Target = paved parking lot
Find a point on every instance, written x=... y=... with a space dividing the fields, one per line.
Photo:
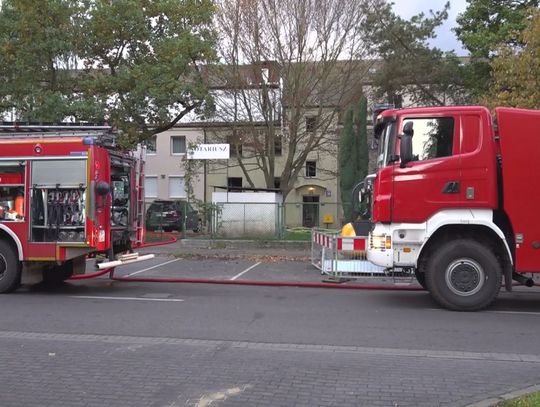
x=237 y=269
x=110 y=343
x=253 y=266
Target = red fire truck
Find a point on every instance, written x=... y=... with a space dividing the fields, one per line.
x=456 y=199
x=65 y=192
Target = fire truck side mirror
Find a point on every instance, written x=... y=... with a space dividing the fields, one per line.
x=405 y=146
x=102 y=188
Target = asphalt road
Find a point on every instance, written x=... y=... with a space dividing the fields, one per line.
x=105 y=343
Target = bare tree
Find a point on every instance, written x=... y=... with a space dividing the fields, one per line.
x=289 y=67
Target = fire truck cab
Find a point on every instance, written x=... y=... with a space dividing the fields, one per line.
x=455 y=199
x=66 y=192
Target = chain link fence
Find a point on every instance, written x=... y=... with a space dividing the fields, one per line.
x=243 y=220
x=172 y=216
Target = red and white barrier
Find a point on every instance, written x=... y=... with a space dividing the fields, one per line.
x=340 y=256
x=351 y=244
x=322 y=239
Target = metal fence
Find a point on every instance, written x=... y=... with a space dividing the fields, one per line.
x=246 y=220
x=341 y=257
x=169 y=216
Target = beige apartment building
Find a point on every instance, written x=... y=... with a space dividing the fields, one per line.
x=312 y=202
x=314 y=199
x=165 y=173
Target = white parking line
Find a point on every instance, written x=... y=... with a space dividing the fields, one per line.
x=514 y=312
x=496 y=312
x=91 y=297
x=245 y=271
x=153 y=267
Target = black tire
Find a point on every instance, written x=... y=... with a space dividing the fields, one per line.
x=463 y=275
x=421 y=278
x=10 y=268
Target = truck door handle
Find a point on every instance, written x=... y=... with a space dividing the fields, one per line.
x=451 y=187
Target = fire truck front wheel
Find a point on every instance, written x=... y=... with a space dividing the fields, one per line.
x=421 y=278
x=463 y=275
x=10 y=268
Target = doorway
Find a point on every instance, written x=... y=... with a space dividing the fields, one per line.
x=310 y=211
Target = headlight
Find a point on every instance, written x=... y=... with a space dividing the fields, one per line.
x=380 y=242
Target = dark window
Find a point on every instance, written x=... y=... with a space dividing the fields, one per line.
x=432 y=138
x=163 y=207
x=151 y=145
x=311 y=123
x=277 y=182
x=234 y=182
x=311 y=168
x=178 y=144
x=277 y=146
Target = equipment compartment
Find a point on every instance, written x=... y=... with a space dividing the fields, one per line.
x=58 y=201
x=58 y=214
x=12 y=206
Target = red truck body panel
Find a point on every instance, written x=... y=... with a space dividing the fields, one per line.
x=416 y=192
x=86 y=223
x=519 y=132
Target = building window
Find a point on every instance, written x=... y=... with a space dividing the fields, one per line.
x=278 y=146
x=151 y=145
x=177 y=187
x=178 y=145
x=150 y=186
x=265 y=74
x=311 y=123
x=234 y=182
x=277 y=182
x=235 y=146
x=311 y=169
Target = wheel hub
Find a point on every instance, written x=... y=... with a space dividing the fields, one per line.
x=465 y=277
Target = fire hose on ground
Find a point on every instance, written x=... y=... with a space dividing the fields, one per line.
x=264 y=283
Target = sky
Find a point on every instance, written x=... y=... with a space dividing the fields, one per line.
x=446 y=39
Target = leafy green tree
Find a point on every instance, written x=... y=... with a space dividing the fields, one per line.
x=362 y=136
x=482 y=28
x=410 y=66
x=135 y=63
x=36 y=45
x=348 y=163
x=353 y=155
x=516 y=69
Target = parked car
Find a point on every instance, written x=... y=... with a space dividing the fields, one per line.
x=170 y=215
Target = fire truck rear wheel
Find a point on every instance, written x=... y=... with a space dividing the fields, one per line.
x=463 y=275
x=10 y=268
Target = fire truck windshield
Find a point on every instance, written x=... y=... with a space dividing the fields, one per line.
x=387 y=143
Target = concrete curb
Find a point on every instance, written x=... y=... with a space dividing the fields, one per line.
x=507 y=396
x=245 y=244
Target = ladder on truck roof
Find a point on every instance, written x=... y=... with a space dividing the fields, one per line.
x=103 y=135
